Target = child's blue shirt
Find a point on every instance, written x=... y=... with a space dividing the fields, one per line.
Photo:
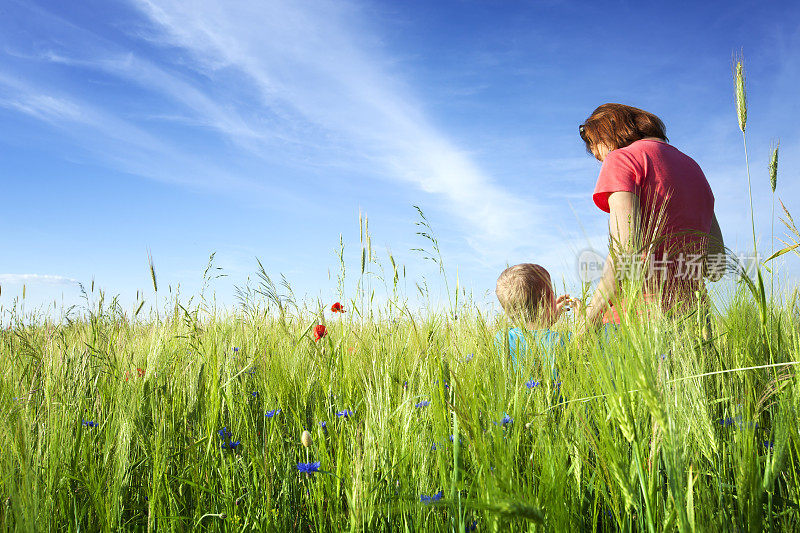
x=548 y=343
x=547 y=340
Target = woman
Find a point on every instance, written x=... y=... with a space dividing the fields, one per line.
x=661 y=212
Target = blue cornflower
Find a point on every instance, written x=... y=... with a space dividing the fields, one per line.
x=433 y=447
x=90 y=424
x=323 y=425
x=471 y=527
x=224 y=433
x=726 y=421
x=506 y=420
x=469 y=357
x=308 y=468
x=254 y=393
x=231 y=444
x=423 y=403
x=347 y=413
x=531 y=384
x=235 y=348
x=270 y=414
x=663 y=357
x=427 y=500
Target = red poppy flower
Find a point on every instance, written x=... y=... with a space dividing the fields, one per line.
x=319 y=332
x=141 y=372
x=337 y=308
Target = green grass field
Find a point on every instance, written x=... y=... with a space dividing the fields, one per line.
x=109 y=424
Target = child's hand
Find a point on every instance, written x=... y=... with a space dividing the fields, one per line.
x=563 y=303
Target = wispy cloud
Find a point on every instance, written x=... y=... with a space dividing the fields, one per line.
x=205 y=110
x=43 y=107
x=318 y=71
x=49 y=279
x=298 y=83
x=123 y=144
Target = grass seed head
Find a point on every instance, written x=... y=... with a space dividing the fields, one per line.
x=152 y=272
x=773 y=167
x=741 y=95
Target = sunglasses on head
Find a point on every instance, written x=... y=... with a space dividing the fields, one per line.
x=582 y=131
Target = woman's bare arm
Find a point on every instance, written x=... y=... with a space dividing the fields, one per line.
x=624 y=227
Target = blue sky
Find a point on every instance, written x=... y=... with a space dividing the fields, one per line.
x=263 y=128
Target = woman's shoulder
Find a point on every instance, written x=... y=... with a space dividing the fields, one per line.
x=647 y=145
x=654 y=149
x=652 y=146
x=628 y=158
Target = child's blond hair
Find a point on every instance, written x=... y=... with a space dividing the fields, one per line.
x=525 y=291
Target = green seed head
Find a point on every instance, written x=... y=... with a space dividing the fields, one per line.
x=773 y=167
x=741 y=95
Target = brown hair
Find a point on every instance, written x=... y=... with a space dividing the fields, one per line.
x=618 y=125
x=524 y=290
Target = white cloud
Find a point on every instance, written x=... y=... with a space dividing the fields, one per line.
x=43 y=107
x=206 y=111
x=317 y=72
x=123 y=144
x=49 y=279
x=299 y=83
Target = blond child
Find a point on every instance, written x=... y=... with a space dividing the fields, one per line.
x=526 y=294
